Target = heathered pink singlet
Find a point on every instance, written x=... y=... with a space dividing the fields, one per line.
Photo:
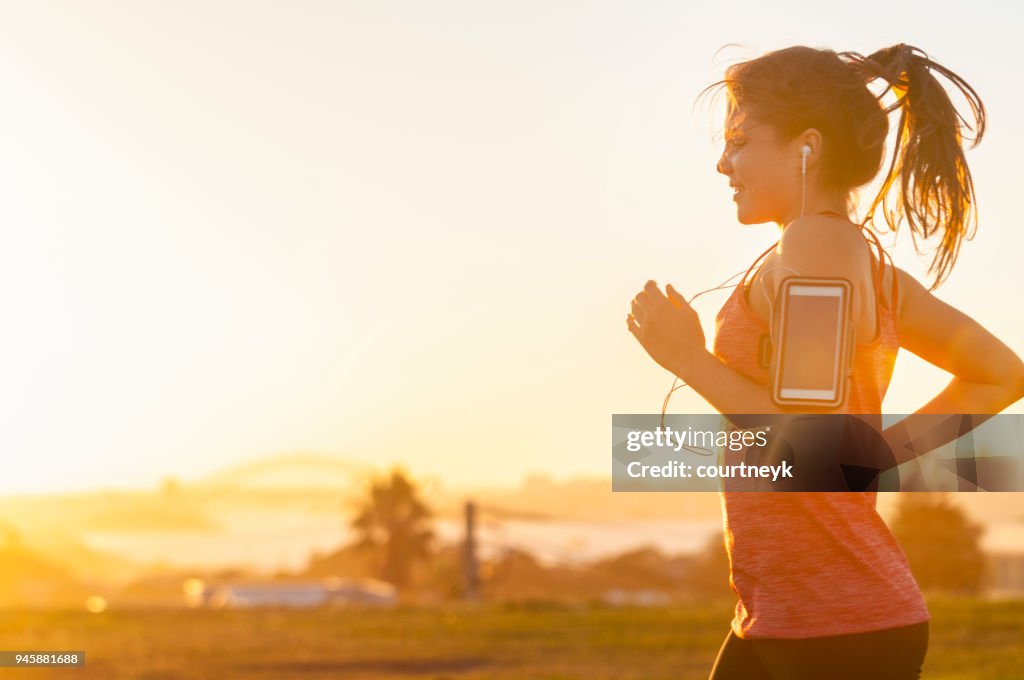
x=813 y=564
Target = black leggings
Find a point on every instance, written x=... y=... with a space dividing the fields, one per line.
x=890 y=654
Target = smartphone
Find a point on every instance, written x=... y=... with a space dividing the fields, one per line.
x=812 y=349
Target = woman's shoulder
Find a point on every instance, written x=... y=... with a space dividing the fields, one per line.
x=818 y=245
x=832 y=247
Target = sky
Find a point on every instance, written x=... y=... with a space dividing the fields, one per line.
x=398 y=232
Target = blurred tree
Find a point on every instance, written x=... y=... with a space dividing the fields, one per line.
x=393 y=523
x=942 y=544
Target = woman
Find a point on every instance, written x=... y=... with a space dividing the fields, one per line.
x=824 y=589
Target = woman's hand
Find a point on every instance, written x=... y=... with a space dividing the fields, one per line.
x=667 y=327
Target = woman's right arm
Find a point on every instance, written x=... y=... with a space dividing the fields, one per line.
x=987 y=375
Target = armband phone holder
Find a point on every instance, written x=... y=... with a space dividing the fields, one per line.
x=812 y=344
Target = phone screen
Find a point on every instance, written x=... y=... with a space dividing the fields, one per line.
x=811 y=342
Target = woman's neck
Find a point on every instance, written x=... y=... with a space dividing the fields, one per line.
x=834 y=204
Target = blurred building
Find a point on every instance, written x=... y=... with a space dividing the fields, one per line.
x=244 y=594
x=618 y=597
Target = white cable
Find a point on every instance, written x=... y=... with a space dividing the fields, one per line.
x=803 y=183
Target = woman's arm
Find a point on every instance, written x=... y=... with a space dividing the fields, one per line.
x=987 y=375
x=728 y=390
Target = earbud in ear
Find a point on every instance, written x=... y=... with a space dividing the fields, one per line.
x=805 y=149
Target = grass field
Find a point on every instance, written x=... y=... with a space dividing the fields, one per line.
x=970 y=639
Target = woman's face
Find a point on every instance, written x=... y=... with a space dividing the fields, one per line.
x=763 y=171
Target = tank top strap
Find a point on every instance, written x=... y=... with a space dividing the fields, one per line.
x=878 y=264
x=743 y=282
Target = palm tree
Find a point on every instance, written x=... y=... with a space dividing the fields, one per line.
x=392 y=522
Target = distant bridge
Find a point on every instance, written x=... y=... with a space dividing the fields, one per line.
x=287 y=471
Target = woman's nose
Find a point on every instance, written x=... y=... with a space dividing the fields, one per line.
x=723 y=164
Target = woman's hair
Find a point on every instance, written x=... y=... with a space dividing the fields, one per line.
x=801 y=87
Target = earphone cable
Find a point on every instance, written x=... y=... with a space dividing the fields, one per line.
x=721 y=286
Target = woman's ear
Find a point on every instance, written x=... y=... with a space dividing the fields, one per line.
x=810 y=138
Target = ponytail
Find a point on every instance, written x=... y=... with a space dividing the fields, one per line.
x=936 y=191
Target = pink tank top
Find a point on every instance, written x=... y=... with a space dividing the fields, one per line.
x=810 y=564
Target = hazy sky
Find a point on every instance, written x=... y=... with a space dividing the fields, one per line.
x=397 y=231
